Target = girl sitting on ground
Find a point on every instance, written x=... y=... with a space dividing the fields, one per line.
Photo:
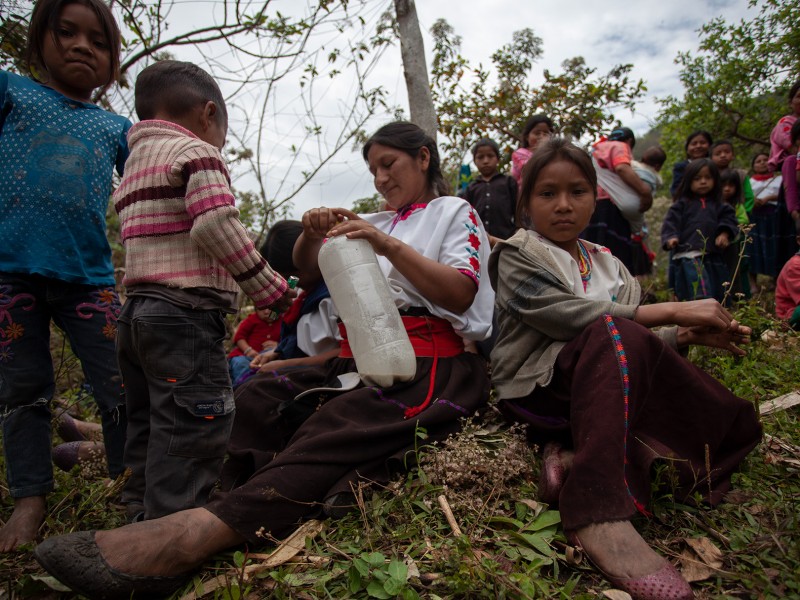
x=575 y=360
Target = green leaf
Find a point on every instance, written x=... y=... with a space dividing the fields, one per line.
x=375 y=589
x=393 y=586
x=409 y=594
x=354 y=581
x=538 y=542
x=398 y=570
x=361 y=566
x=547 y=519
x=375 y=559
x=238 y=559
x=507 y=521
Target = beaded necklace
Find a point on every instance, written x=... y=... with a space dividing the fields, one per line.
x=584 y=264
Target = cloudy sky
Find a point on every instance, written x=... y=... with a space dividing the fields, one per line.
x=647 y=33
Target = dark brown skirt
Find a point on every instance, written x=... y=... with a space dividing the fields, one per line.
x=623 y=399
x=287 y=457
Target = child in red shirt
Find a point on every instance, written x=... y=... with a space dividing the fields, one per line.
x=260 y=331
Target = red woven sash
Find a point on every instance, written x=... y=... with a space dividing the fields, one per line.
x=430 y=336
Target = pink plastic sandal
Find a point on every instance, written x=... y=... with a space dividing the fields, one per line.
x=665 y=584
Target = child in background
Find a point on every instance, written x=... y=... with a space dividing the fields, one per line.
x=767 y=189
x=649 y=167
x=492 y=194
x=787 y=289
x=765 y=184
x=537 y=130
x=790 y=171
x=781 y=139
x=697 y=146
x=575 y=361
x=722 y=154
x=310 y=328
x=58 y=152
x=622 y=200
x=648 y=170
x=736 y=261
x=258 y=332
x=698 y=227
x=733 y=194
x=187 y=255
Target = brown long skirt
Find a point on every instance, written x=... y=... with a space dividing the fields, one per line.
x=286 y=457
x=622 y=399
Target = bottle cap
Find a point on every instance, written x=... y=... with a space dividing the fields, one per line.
x=292 y=282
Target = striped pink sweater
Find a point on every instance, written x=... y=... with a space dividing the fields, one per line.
x=179 y=223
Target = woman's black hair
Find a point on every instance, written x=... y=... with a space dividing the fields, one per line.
x=794 y=133
x=692 y=169
x=533 y=122
x=410 y=138
x=279 y=244
x=554 y=149
x=622 y=134
x=753 y=162
x=698 y=133
x=732 y=177
x=794 y=89
x=44 y=21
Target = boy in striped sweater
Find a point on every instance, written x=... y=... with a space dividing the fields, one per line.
x=187 y=254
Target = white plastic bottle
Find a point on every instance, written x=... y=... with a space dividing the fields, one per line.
x=381 y=348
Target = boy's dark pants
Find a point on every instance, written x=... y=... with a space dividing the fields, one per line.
x=179 y=402
x=88 y=317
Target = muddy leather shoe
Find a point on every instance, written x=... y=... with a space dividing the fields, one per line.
x=75 y=560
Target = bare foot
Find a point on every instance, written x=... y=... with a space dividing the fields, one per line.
x=24 y=523
x=171 y=545
x=618 y=550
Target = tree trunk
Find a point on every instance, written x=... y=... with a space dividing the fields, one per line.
x=415 y=70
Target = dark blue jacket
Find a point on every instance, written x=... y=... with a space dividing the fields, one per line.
x=697 y=223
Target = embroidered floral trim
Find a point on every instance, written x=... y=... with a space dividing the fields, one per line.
x=584 y=265
x=474 y=241
x=405 y=211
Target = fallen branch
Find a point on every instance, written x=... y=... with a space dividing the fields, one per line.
x=288 y=548
x=779 y=403
x=285 y=552
x=448 y=514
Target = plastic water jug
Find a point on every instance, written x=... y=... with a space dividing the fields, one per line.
x=381 y=348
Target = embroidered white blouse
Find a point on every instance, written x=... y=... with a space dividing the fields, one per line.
x=448 y=231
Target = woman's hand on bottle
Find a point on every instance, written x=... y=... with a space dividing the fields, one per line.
x=318 y=222
x=355 y=228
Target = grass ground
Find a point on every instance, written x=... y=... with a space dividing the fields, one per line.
x=401 y=544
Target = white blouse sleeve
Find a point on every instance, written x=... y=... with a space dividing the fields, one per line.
x=318 y=331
